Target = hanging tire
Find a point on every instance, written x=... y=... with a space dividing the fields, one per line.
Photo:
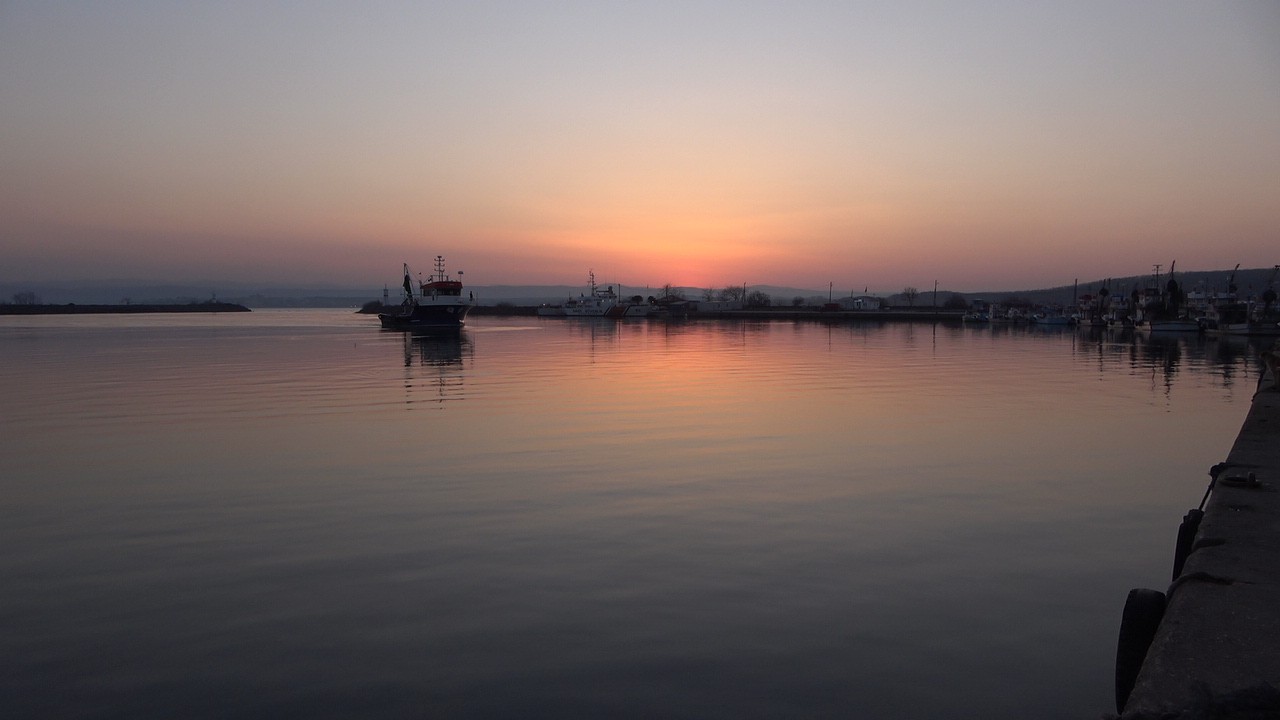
x=1142 y=613
x=1186 y=539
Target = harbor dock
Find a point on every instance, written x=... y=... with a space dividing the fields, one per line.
x=1214 y=634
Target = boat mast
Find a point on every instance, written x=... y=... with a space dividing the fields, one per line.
x=408 y=283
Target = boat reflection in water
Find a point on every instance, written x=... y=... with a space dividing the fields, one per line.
x=443 y=354
x=436 y=349
x=1167 y=354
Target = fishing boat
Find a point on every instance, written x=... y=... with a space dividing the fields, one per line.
x=1240 y=318
x=1174 y=325
x=1164 y=311
x=1053 y=320
x=437 y=304
x=1055 y=316
x=1231 y=316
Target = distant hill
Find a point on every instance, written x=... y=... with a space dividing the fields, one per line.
x=258 y=296
x=1248 y=282
x=127 y=291
x=109 y=292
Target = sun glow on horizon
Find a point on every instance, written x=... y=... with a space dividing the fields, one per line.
x=982 y=146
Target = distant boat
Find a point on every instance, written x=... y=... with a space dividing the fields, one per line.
x=438 y=303
x=1010 y=315
x=1239 y=318
x=1053 y=318
x=1173 y=325
x=1056 y=317
x=1164 y=311
x=1058 y=320
x=599 y=302
x=1236 y=317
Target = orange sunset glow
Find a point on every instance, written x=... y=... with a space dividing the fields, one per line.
x=986 y=145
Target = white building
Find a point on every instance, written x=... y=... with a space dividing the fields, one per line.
x=862 y=302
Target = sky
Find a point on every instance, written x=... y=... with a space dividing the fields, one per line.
x=980 y=144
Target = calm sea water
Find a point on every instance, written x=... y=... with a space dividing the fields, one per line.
x=295 y=514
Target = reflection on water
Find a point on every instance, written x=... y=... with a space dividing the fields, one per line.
x=442 y=352
x=436 y=350
x=298 y=514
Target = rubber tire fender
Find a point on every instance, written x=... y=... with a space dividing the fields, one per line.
x=1143 y=610
x=1186 y=539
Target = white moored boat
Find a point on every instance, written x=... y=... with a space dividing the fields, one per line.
x=600 y=302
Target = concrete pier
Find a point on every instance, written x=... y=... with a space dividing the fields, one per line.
x=1216 y=650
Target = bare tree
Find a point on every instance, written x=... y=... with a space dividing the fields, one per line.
x=910 y=294
x=733 y=292
x=758 y=298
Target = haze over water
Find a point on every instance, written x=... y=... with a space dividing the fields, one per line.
x=292 y=513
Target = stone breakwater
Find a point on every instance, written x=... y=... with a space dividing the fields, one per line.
x=1214 y=633
x=74 y=309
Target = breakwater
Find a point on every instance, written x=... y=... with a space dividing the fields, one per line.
x=921 y=315
x=1207 y=646
x=916 y=315
x=75 y=309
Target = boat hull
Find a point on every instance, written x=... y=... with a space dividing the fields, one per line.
x=1249 y=328
x=604 y=310
x=1174 y=326
x=426 y=317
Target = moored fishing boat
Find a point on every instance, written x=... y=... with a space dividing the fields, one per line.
x=1240 y=318
x=1052 y=320
x=438 y=303
x=1164 y=310
x=1174 y=325
x=1228 y=314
